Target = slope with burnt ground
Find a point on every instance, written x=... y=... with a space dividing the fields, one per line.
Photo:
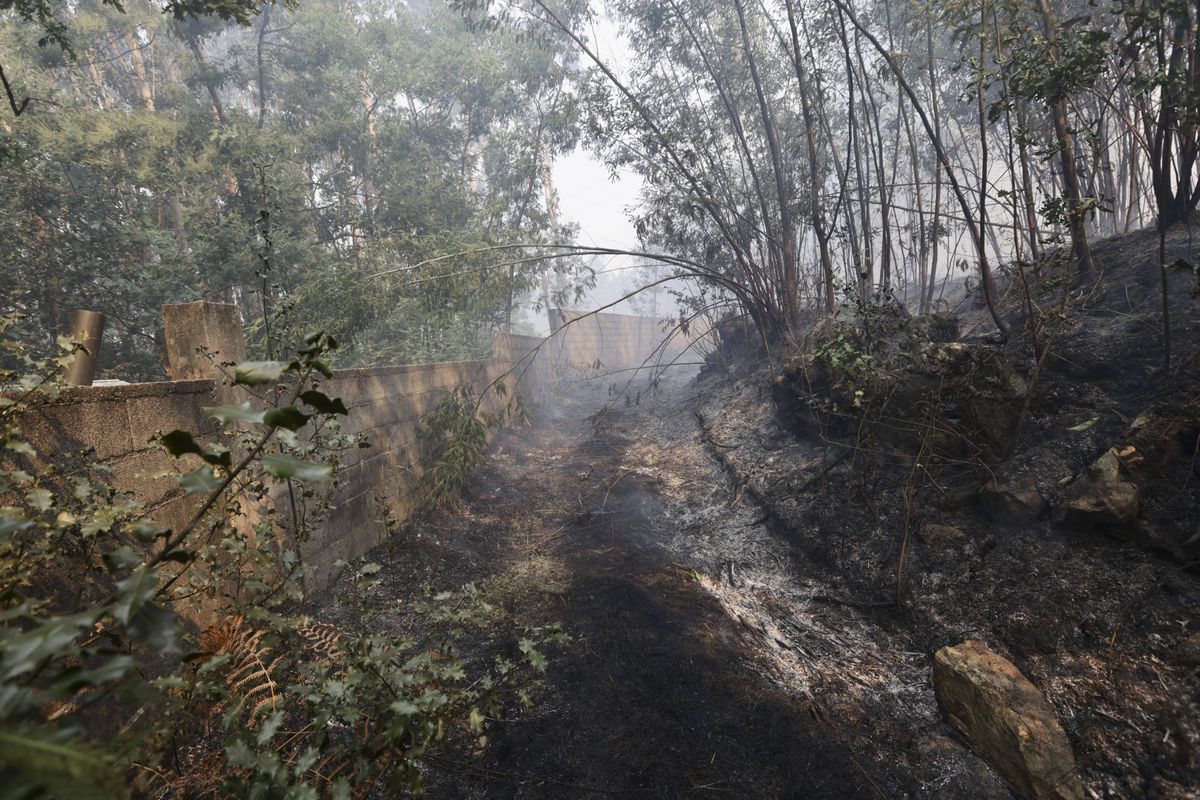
x=623 y=528
x=730 y=579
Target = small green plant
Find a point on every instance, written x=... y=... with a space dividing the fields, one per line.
x=107 y=688
x=456 y=433
x=863 y=345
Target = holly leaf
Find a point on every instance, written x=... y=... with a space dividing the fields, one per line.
x=533 y=655
x=156 y=627
x=41 y=499
x=179 y=443
x=256 y=373
x=133 y=593
x=145 y=532
x=323 y=403
x=288 y=417
x=285 y=467
x=25 y=651
x=41 y=761
x=122 y=559
x=112 y=669
x=199 y=481
x=242 y=412
x=12 y=521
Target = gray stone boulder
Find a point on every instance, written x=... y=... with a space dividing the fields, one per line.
x=1103 y=500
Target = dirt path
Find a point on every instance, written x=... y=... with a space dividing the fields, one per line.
x=701 y=666
x=735 y=635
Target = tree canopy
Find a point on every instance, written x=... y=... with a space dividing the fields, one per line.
x=278 y=160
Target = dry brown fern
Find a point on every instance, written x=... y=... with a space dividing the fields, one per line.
x=322 y=640
x=250 y=673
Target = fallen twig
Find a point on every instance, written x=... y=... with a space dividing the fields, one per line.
x=844 y=601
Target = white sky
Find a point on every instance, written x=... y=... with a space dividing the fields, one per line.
x=589 y=197
x=587 y=194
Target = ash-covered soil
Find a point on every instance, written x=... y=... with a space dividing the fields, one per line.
x=1103 y=622
x=625 y=529
x=1098 y=625
x=731 y=585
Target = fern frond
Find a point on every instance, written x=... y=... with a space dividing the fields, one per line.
x=321 y=639
x=250 y=673
x=218 y=638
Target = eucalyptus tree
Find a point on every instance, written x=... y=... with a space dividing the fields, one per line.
x=731 y=111
x=278 y=165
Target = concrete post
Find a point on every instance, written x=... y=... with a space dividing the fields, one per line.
x=502 y=347
x=87 y=328
x=193 y=329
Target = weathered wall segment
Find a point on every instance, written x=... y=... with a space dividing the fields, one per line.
x=586 y=345
x=119 y=422
x=386 y=405
x=598 y=343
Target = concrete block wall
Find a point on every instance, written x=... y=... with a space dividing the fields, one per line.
x=536 y=369
x=386 y=404
x=600 y=343
x=118 y=422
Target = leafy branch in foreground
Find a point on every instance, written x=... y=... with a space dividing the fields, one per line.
x=107 y=690
x=456 y=431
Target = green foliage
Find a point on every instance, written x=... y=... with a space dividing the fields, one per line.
x=1034 y=75
x=867 y=339
x=843 y=355
x=44 y=14
x=102 y=681
x=36 y=760
x=155 y=168
x=456 y=433
x=374 y=704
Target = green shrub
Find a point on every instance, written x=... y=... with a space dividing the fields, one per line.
x=456 y=433
x=108 y=691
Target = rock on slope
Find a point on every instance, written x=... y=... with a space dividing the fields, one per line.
x=1076 y=542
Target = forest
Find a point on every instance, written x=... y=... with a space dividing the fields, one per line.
x=863 y=466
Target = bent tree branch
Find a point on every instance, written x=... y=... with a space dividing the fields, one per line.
x=17 y=108
x=935 y=139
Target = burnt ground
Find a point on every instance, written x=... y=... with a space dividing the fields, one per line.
x=1103 y=622
x=730 y=584
x=712 y=656
x=626 y=530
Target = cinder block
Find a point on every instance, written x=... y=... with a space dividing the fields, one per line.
x=177 y=512
x=150 y=475
x=69 y=427
x=149 y=416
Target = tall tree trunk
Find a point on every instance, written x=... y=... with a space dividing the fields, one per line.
x=261 y=61
x=985 y=270
x=814 y=166
x=208 y=79
x=1066 y=148
x=935 y=228
x=789 y=310
x=864 y=268
x=1032 y=227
